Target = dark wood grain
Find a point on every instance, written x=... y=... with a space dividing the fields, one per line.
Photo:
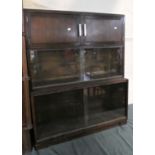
x=103 y=29
x=73 y=86
x=25 y=87
x=26 y=141
x=24 y=59
x=50 y=29
x=53 y=29
x=40 y=11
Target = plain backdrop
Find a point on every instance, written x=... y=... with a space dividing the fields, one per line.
x=143 y=72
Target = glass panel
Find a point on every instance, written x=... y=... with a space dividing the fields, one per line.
x=62 y=112
x=102 y=62
x=73 y=65
x=105 y=103
x=59 y=112
x=52 y=67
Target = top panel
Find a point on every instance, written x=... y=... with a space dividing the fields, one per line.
x=48 y=29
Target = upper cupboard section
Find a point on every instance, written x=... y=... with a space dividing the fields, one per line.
x=48 y=29
x=103 y=29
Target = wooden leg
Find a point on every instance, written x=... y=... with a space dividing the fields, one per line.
x=26 y=141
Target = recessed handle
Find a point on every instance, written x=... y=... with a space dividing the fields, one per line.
x=80 y=30
x=85 y=30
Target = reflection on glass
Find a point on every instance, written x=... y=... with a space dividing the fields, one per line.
x=59 y=112
x=62 y=112
x=105 y=103
x=72 y=65
x=51 y=67
x=101 y=63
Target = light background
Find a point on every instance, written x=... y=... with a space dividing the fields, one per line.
x=143 y=76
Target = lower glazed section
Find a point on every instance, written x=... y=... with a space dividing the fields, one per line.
x=69 y=114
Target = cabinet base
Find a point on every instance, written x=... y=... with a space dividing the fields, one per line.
x=80 y=132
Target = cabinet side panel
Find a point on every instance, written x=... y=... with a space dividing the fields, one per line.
x=25 y=87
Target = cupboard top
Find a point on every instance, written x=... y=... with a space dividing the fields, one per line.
x=71 y=12
x=48 y=29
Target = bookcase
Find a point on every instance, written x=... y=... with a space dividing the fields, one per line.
x=76 y=73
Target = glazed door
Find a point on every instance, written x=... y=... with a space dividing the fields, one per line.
x=46 y=29
x=103 y=63
x=106 y=103
x=58 y=113
x=51 y=67
x=103 y=29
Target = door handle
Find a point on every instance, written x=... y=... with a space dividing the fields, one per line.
x=85 y=30
x=80 y=30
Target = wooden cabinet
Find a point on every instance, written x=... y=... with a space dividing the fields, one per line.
x=76 y=74
x=46 y=29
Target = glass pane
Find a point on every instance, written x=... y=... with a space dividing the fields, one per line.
x=56 y=66
x=52 y=67
x=102 y=62
x=59 y=112
x=105 y=103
